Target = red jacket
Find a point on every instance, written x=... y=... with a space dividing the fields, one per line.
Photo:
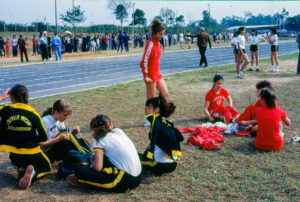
x=150 y=62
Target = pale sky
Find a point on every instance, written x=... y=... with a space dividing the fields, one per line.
x=96 y=11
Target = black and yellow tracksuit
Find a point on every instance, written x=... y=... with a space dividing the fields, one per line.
x=21 y=130
x=167 y=138
x=110 y=178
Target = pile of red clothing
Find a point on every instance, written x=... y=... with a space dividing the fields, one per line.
x=206 y=138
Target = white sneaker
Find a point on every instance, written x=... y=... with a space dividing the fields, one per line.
x=239 y=76
x=277 y=69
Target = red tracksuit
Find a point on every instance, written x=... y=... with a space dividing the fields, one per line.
x=150 y=62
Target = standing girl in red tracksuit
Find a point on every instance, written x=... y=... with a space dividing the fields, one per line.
x=150 y=65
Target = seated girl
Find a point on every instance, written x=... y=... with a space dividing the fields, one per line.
x=163 y=152
x=116 y=163
x=269 y=133
x=59 y=141
x=214 y=107
x=19 y=125
x=246 y=118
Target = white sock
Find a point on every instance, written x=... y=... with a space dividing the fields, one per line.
x=251 y=67
x=272 y=67
x=277 y=67
x=257 y=67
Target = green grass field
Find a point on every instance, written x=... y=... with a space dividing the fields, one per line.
x=237 y=172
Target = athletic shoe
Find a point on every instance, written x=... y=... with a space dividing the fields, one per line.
x=231 y=129
x=239 y=76
x=73 y=180
x=295 y=139
x=257 y=69
x=26 y=180
x=277 y=69
x=205 y=66
x=250 y=69
x=21 y=173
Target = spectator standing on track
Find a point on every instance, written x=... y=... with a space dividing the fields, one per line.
x=126 y=40
x=120 y=41
x=75 y=48
x=148 y=36
x=56 y=44
x=202 y=40
x=88 y=37
x=170 y=39
x=273 y=41
x=7 y=47
x=34 y=45
x=49 y=47
x=2 y=47
x=214 y=36
x=43 y=45
x=298 y=41
x=84 y=43
x=141 y=41
x=22 y=48
x=14 y=44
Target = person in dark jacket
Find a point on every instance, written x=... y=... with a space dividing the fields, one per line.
x=22 y=48
x=298 y=41
x=126 y=41
x=202 y=40
x=120 y=41
x=163 y=152
x=19 y=126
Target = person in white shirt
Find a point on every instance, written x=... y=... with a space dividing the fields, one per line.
x=234 y=44
x=255 y=39
x=241 y=52
x=116 y=164
x=181 y=40
x=56 y=147
x=273 y=41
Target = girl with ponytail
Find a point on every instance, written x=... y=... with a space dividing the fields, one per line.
x=163 y=152
x=269 y=132
x=150 y=65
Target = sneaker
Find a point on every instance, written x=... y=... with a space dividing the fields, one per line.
x=250 y=69
x=73 y=180
x=277 y=69
x=257 y=69
x=26 y=180
x=239 y=76
x=232 y=129
x=21 y=173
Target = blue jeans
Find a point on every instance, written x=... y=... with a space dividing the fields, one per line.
x=57 y=51
x=15 y=51
x=298 y=68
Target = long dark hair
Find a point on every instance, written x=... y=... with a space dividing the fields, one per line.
x=101 y=125
x=156 y=26
x=269 y=96
x=166 y=108
x=58 y=106
x=254 y=30
x=19 y=93
x=241 y=29
x=263 y=84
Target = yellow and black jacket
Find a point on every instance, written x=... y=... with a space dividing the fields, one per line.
x=21 y=129
x=165 y=136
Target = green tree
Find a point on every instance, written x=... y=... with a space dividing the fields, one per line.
x=293 y=23
x=73 y=16
x=121 y=13
x=138 y=18
x=168 y=15
x=180 y=20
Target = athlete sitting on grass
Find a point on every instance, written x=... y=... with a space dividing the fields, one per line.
x=214 y=107
x=57 y=145
x=248 y=116
x=116 y=163
x=19 y=126
x=269 y=131
x=163 y=152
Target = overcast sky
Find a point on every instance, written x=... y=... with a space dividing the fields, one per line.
x=96 y=11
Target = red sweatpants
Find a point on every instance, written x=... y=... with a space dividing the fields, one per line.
x=226 y=113
x=247 y=115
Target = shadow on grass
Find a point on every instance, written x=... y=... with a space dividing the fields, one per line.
x=7 y=180
x=278 y=75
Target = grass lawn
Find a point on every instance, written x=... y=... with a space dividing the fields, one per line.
x=237 y=172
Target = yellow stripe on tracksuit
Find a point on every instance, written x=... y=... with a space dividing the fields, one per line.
x=149 y=163
x=16 y=150
x=45 y=173
x=107 y=185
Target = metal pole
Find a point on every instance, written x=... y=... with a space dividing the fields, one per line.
x=132 y=17
x=56 y=28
